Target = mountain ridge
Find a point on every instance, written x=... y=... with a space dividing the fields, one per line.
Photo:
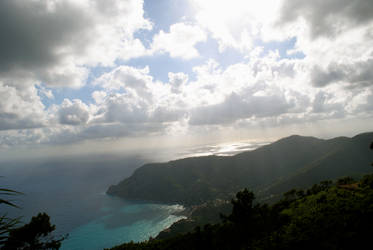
x=271 y=169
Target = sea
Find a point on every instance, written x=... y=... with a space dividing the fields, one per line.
x=72 y=191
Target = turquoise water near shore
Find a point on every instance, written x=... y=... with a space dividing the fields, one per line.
x=71 y=190
x=131 y=222
x=72 y=193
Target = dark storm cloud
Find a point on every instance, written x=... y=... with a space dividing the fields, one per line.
x=31 y=34
x=328 y=17
x=10 y=121
x=358 y=74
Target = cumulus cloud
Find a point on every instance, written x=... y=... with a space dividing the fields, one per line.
x=125 y=109
x=99 y=96
x=356 y=74
x=177 y=80
x=362 y=102
x=335 y=36
x=46 y=92
x=266 y=91
x=329 y=18
x=125 y=77
x=56 y=41
x=237 y=107
x=236 y=23
x=20 y=108
x=73 y=112
x=143 y=100
x=180 y=41
x=323 y=103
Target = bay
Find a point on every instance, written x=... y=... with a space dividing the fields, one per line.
x=71 y=190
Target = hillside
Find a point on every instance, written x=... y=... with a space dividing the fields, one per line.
x=327 y=216
x=294 y=161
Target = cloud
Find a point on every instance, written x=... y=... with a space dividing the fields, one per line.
x=56 y=42
x=43 y=91
x=124 y=108
x=356 y=74
x=142 y=100
x=180 y=41
x=51 y=44
x=236 y=107
x=177 y=81
x=328 y=18
x=100 y=131
x=335 y=37
x=322 y=103
x=362 y=102
x=125 y=77
x=265 y=91
x=20 y=108
x=73 y=112
x=236 y=23
x=99 y=96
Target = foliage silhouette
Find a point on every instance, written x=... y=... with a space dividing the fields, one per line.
x=6 y=223
x=34 y=235
x=326 y=216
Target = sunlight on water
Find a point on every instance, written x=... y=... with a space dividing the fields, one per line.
x=77 y=203
x=223 y=149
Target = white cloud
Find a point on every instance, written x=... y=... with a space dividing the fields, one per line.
x=56 y=41
x=323 y=102
x=99 y=96
x=143 y=100
x=125 y=77
x=180 y=41
x=335 y=38
x=235 y=23
x=73 y=112
x=20 y=107
x=177 y=81
x=236 y=107
x=266 y=91
x=43 y=91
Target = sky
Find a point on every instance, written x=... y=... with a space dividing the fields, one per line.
x=80 y=76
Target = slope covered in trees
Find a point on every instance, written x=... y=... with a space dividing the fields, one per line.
x=294 y=161
x=34 y=235
x=326 y=216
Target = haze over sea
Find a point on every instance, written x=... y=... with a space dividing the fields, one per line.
x=72 y=191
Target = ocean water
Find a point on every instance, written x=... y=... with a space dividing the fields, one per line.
x=71 y=190
x=122 y=222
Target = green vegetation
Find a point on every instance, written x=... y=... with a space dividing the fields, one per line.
x=34 y=235
x=326 y=216
x=6 y=223
x=269 y=171
x=198 y=215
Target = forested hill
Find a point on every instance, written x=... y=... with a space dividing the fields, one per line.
x=294 y=161
x=327 y=216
